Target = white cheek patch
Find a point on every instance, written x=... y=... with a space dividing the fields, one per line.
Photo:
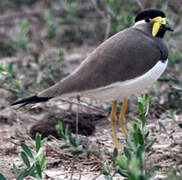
x=140 y=22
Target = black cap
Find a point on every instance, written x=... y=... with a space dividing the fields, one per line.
x=150 y=13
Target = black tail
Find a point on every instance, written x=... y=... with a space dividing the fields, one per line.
x=32 y=99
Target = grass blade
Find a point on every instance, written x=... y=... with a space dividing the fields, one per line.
x=25 y=159
x=2 y=177
x=27 y=150
x=42 y=160
x=38 y=169
x=37 y=142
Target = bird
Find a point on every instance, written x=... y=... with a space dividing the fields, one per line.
x=124 y=64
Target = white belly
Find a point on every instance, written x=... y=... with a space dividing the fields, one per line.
x=119 y=90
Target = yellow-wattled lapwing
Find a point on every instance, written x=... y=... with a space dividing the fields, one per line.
x=124 y=64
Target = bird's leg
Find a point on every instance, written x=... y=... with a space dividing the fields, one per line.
x=122 y=117
x=114 y=126
x=77 y=115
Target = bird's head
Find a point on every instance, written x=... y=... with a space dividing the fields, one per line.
x=157 y=18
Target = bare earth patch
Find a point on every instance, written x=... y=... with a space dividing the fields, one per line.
x=15 y=127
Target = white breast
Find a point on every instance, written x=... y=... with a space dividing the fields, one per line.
x=119 y=90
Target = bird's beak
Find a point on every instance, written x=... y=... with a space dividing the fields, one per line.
x=166 y=27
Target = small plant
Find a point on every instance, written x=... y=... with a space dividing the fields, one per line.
x=10 y=82
x=173 y=174
x=118 y=17
x=171 y=116
x=51 y=25
x=2 y=70
x=108 y=172
x=131 y=164
x=78 y=145
x=20 y=43
x=46 y=75
x=49 y=73
x=175 y=96
x=34 y=162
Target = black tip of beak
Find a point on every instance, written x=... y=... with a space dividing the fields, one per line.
x=169 y=29
x=166 y=27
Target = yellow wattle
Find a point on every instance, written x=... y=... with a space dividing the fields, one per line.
x=157 y=23
x=155 y=29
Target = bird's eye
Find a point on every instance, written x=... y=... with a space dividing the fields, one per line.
x=147 y=20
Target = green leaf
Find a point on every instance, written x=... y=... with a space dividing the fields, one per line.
x=16 y=170
x=148 y=99
x=64 y=146
x=122 y=171
x=142 y=118
x=60 y=126
x=2 y=69
x=27 y=150
x=84 y=146
x=38 y=169
x=170 y=114
x=10 y=68
x=89 y=154
x=60 y=130
x=24 y=25
x=77 y=152
x=22 y=175
x=37 y=142
x=108 y=177
x=42 y=159
x=72 y=141
x=140 y=99
x=146 y=134
x=127 y=153
x=25 y=159
x=61 y=54
x=31 y=170
x=106 y=166
x=136 y=140
x=17 y=84
x=180 y=125
x=135 y=134
x=121 y=162
x=2 y=177
x=67 y=132
x=130 y=145
x=140 y=107
x=43 y=141
x=140 y=137
x=105 y=173
x=47 y=15
x=140 y=151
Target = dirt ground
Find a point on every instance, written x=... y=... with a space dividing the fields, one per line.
x=166 y=152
